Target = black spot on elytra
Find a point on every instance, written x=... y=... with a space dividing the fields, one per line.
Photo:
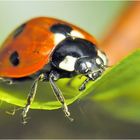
x=19 y=30
x=61 y=28
x=14 y=58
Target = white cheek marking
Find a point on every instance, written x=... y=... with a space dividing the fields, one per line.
x=58 y=38
x=103 y=56
x=75 y=33
x=68 y=63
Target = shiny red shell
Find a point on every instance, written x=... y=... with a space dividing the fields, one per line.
x=34 y=45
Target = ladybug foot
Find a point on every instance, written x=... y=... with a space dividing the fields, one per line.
x=13 y=111
x=66 y=111
x=24 y=115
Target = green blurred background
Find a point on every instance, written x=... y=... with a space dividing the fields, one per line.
x=91 y=120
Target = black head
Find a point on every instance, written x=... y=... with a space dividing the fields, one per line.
x=90 y=67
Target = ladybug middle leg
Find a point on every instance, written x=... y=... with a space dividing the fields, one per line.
x=54 y=76
x=30 y=97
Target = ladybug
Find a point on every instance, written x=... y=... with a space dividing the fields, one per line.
x=48 y=49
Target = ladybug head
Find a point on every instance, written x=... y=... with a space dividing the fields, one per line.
x=90 y=67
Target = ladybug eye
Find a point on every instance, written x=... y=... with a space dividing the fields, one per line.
x=19 y=30
x=61 y=28
x=14 y=58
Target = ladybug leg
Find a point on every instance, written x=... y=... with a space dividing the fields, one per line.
x=94 y=77
x=83 y=86
x=54 y=76
x=31 y=97
x=6 y=80
x=13 y=111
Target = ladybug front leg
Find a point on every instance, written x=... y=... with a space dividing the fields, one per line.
x=31 y=97
x=54 y=76
x=95 y=76
x=83 y=86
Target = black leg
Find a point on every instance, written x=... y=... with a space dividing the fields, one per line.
x=54 y=76
x=83 y=86
x=95 y=76
x=31 y=97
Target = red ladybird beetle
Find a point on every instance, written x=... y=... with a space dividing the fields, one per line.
x=47 y=49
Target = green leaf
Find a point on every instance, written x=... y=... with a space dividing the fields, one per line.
x=117 y=91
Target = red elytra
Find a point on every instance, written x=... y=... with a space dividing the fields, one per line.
x=34 y=44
